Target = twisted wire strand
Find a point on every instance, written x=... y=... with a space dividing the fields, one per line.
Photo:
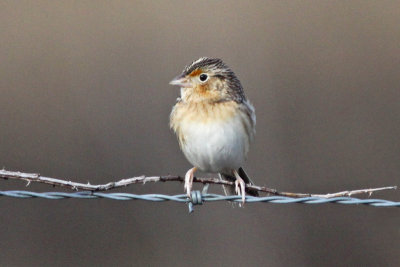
x=198 y=198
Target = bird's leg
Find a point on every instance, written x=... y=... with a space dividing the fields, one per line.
x=189 y=181
x=240 y=186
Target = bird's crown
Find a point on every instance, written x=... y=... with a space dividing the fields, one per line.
x=206 y=63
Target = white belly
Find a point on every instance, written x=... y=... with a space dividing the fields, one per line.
x=215 y=146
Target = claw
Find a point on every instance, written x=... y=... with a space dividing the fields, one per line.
x=189 y=181
x=240 y=186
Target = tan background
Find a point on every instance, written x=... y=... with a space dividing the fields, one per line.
x=85 y=96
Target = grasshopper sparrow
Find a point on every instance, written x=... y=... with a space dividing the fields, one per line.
x=214 y=123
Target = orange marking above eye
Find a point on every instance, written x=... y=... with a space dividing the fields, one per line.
x=195 y=72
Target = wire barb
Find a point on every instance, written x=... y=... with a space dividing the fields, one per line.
x=195 y=199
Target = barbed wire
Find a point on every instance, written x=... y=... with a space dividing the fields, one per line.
x=90 y=191
x=198 y=198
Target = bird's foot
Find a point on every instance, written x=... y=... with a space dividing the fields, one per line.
x=189 y=181
x=240 y=186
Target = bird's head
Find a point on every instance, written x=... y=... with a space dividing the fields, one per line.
x=208 y=79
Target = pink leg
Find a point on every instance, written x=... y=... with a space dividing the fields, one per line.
x=189 y=181
x=240 y=186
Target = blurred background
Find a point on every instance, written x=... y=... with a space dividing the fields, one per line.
x=85 y=97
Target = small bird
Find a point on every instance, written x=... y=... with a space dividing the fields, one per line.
x=214 y=123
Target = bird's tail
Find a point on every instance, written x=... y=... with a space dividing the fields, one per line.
x=230 y=190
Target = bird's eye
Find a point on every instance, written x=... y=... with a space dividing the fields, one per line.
x=203 y=77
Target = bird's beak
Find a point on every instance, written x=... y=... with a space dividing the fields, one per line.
x=180 y=81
